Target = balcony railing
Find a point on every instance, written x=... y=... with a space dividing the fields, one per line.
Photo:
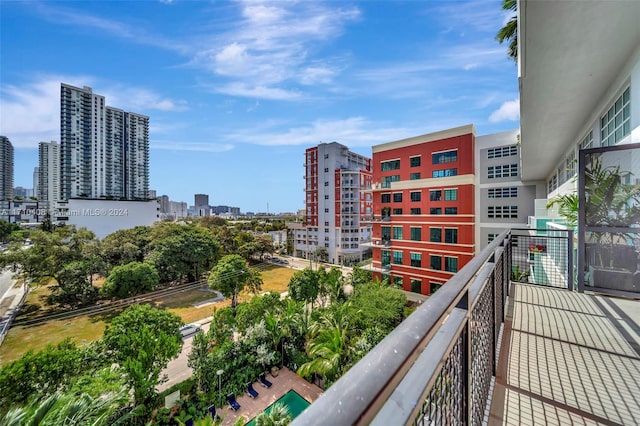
x=438 y=365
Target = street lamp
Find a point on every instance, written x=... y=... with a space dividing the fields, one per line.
x=219 y=373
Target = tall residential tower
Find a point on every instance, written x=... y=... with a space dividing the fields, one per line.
x=48 y=173
x=104 y=150
x=6 y=169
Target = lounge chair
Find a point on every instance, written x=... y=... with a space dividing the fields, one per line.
x=212 y=411
x=251 y=391
x=231 y=399
x=263 y=381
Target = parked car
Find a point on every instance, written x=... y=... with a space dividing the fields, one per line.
x=189 y=329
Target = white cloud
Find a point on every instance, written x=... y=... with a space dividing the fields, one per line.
x=508 y=111
x=260 y=92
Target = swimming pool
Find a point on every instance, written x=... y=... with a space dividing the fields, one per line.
x=293 y=401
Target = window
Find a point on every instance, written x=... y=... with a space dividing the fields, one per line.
x=326 y=224
x=444 y=157
x=491 y=237
x=504 y=151
x=416 y=210
x=414 y=161
x=451 y=236
x=326 y=210
x=416 y=285
x=416 y=196
x=326 y=184
x=503 y=171
x=397 y=281
x=386 y=258
x=451 y=264
x=326 y=156
x=326 y=230
x=587 y=142
x=397 y=197
x=414 y=176
x=386 y=198
x=416 y=260
x=502 y=212
x=386 y=233
x=326 y=197
x=616 y=123
x=570 y=165
x=326 y=170
x=450 y=210
x=435 y=235
x=506 y=192
x=390 y=165
x=450 y=194
x=416 y=234
x=397 y=211
x=386 y=180
x=433 y=287
x=397 y=257
x=397 y=232
x=435 y=210
x=435 y=195
x=435 y=262
x=445 y=173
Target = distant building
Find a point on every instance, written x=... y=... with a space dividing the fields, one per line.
x=36 y=179
x=225 y=210
x=104 y=150
x=49 y=173
x=153 y=194
x=164 y=204
x=6 y=169
x=336 y=204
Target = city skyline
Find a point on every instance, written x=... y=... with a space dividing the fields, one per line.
x=236 y=91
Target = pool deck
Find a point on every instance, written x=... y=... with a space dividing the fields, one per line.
x=251 y=407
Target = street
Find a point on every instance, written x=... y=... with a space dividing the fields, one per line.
x=177 y=370
x=5 y=282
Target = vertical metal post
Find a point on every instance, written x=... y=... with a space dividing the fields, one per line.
x=570 y=259
x=582 y=199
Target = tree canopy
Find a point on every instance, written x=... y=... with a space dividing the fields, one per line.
x=130 y=279
x=231 y=275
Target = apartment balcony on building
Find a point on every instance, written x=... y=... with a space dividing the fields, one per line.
x=509 y=339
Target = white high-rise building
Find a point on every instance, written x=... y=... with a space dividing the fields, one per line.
x=104 y=150
x=6 y=169
x=336 y=204
x=48 y=191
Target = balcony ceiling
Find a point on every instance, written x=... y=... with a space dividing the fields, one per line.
x=570 y=54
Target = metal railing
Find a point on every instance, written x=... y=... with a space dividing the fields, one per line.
x=437 y=366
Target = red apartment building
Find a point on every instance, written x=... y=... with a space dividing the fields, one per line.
x=423 y=208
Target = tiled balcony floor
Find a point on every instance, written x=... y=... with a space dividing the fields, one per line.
x=568 y=358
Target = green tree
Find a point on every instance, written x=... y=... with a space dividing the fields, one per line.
x=375 y=305
x=278 y=415
x=199 y=356
x=6 y=229
x=360 y=276
x=143 y=339
x=304 y=286
x=331 y=285
x=130 y=279
x=126 y=245
x=509 y=33
x=231 y=275
x=181 y=252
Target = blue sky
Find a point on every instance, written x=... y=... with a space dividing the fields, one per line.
x=237 y=90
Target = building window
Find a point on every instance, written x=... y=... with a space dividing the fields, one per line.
x=386 y=258
x=390 y=165
x=326 y=156
x=396 y=281
x=416 y=210
x=451 y=236
x=414 y=161
x=450 y=210
x=450 y=194
x=386 y=198
x=491 y=237
x=433 y=287
x=435 y=262
x=570 y=165
x=326 y=170
x=504 y=151
x=587 y=142
x=416 y=234
x=506 y=192
x=416 y=196
x=386 y=180
x=435 y=195
x=451 y=264
x=326 y=224
x=445 y=173
x=416 y=285
x=444 y=157
x=414 y=176
x=326 y=184
x=435 y=210
x=386 y=233
x=506 y=170
x=397 y=211
x=397 y=232
x=502 y=212
x=416 y=260
x=397 y=257
x=326 y=197
x=326 y=230
x=615 y=125
x=397 y=197
x=435 y=235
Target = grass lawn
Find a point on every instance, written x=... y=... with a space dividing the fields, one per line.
x=88 y=328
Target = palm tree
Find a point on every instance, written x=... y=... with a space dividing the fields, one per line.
x=510 y=31
x=567 y=207
x=278 y=416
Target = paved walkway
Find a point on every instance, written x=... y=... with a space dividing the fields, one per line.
x=571 y=358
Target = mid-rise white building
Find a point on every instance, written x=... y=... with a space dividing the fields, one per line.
x=48 y=174
x=336 y=204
